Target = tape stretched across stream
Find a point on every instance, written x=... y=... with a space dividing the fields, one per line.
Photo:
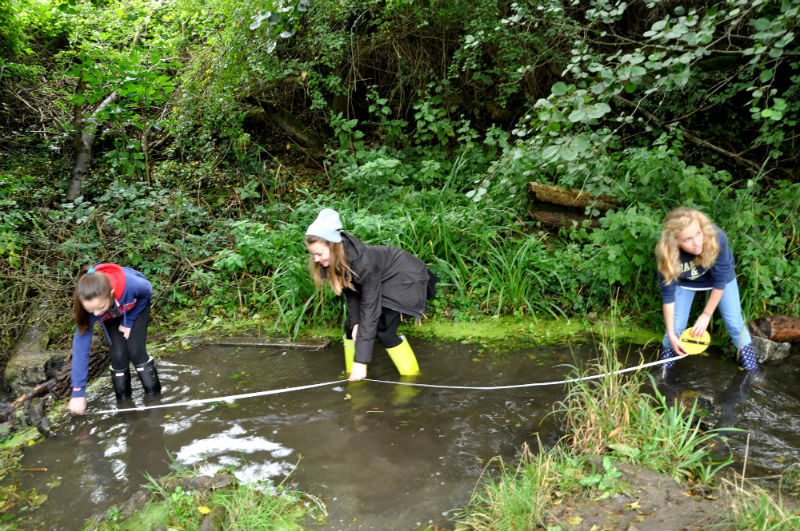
x=232 y=398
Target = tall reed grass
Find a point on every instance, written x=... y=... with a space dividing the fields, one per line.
x=516 y=497
x=616 y=417
x=753 y=507
x=619 y=415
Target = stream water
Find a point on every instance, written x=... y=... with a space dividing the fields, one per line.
x=381 y=457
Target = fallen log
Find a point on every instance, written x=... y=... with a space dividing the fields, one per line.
x=99 y=360
x=287 y=123
x=36 y=392
x=556 y=195
x=559 y=207
x=780 y=328
x=266 y=342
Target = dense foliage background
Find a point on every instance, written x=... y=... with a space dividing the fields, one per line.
x=218 y=128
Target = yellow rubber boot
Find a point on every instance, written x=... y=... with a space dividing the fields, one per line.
x=403 y=358
x=349 y=353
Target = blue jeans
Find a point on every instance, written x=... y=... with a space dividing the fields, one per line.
x=730 y=308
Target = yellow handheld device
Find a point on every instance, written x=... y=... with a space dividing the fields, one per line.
x=694 y=345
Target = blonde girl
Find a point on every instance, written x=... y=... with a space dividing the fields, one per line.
x=693 y=255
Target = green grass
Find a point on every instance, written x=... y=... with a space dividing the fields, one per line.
x=238 y=507
x=518 y=276
x=247 y=509
x=515 y=497
x=614 y=415
x=756 y=508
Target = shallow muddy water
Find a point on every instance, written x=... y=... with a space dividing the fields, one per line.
x=380 y=456
x=765 y=418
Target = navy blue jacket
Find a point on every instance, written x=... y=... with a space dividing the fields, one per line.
x=132 y=293
x=694 y=277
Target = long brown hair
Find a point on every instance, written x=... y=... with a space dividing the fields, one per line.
x=339 y=275
x=668 y=251
x=89 y=286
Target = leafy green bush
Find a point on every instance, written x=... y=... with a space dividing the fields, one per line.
x=621 y=253
x=9 y=32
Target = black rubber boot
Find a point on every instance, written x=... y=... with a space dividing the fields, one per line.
x=148 y=375
x=121 y=381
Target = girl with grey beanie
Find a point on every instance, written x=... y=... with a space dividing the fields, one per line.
x=381 y=284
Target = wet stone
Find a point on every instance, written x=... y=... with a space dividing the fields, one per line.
x=770 y=351
x=26 y=370
x=135 y=503
x=197 y=482
x=213 y=522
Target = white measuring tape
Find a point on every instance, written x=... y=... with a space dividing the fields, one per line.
x=537 y=384
x=231 y=398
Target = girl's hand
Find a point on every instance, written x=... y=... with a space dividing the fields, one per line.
x=676 y=345
x=358 y=372
x=125 y=331
x=700 y=325
x=355 y=332
x=77 y=405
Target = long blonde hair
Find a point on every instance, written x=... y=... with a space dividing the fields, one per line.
x=339 y=275
x=668 y=251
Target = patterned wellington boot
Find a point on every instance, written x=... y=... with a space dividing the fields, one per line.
x=747 y=358
x=667 y=353
x=756 y=375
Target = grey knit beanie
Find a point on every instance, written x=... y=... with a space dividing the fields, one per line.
x=327 y=226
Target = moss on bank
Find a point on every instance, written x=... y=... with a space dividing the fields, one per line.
x=486 y=330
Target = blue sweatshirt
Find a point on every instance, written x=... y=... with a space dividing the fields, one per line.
x=694 y=277
x=132 y=293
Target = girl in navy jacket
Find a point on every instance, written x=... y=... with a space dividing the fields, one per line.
x=119 y=298
x=693 y=255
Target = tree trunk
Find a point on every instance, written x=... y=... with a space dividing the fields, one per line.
x=778 y=328
x=83 y=157
x=286 y=122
